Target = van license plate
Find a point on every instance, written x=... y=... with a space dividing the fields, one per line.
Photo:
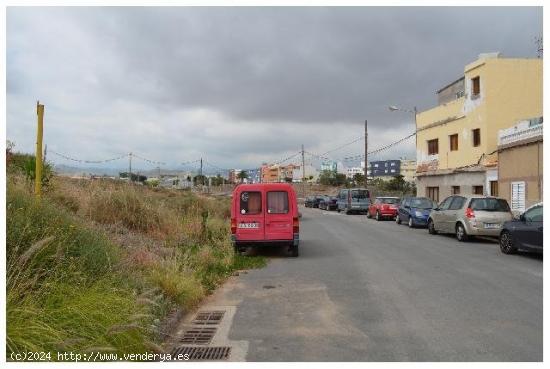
x=491 y=225
x=249 y=225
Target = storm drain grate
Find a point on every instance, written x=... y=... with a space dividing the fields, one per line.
x=198 y=335
x=209 y=317
x=202 y=353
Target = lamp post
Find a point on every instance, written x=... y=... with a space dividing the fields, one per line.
x=413 y=111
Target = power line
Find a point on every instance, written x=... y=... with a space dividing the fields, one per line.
x=356 y=157
x=87 y=161
x=149 y=160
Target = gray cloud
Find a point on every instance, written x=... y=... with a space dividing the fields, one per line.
x=240 y=85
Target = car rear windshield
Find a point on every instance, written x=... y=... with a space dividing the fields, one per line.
x=251 y=202
x=489 y=204
x=421 y=203
x=360 y=194
x=389 y=200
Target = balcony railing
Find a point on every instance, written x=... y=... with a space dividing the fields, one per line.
x=518 y=133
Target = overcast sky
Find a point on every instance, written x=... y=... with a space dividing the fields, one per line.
x=239 y=86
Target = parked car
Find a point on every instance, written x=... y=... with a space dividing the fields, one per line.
x=472 y=215
x=353 y=200
x=328 y=203
x=414 y=211
x=524 y=232
x=265 y=213
x=383 y=207
x=308 y=203
x=312 y=201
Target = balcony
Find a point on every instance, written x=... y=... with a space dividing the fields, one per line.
x=524 y=130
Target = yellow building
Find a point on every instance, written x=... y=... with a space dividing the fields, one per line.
x=408 y=170
x=456 y=144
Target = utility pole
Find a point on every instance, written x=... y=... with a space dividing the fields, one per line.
x=130 y=168
x=158 y=168
x=200 y=172
x=303 y=172
x=366 y=154
x=38 y=159
x=45 y=153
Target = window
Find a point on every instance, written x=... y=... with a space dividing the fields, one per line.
x=277 y=202
x=489 y=204
x=433 y=147
x=494 y=188
x=455 y=190
x=446 y=203
x=518 y=196
x=475 y=87
x=457 y=203
x=453 y=142
x=476 y=137
x=477 y=190
x=251 y=203
x=534 y=214
x=432 y=193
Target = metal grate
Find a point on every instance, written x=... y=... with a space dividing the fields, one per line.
x=209 y=317
x=198 y=335
x=202 y=353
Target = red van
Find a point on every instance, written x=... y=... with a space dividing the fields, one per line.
x=265 y=213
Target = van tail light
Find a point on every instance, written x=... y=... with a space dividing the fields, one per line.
x=295 y=225
x=233 y=225
x=469 y=213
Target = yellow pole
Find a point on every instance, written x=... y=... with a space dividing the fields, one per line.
x=39 y=133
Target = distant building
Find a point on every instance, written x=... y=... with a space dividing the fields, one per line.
x=519 y=183
x=329 y=165
x=408 y=170
x=387 y=169
x=232 y=175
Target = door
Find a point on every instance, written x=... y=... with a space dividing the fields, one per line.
x=404 y=210
x=529 y=231
x=250 y=217
x=439 y=216
x=278 y=216
x=454 y=213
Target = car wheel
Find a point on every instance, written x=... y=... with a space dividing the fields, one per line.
x=411 y=224
x=461 y=234
x=294 y=251
x=431 y=227
x=506 y=243
x=377 y=217
x=397 y=219
x=338 y=210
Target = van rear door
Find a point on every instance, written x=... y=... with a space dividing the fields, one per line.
x=250 y=217
x=278 y=216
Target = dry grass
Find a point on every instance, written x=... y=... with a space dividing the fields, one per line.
x=101 y=263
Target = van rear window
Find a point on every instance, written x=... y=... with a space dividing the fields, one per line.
x=251 y=202
x=277 y=202
x=360 y=194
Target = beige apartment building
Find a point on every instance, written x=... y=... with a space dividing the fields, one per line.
x=457 y=140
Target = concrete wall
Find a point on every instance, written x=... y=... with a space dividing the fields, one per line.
x=522 y=163
x=466 y=180
x=450 y=92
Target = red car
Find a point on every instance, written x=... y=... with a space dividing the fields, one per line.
x=383 y=207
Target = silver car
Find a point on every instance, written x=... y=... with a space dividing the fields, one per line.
x=472 y=215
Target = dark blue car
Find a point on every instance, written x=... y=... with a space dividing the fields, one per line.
x=414 y=211
x=524 y=232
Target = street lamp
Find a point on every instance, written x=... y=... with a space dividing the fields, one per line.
x=413 y=111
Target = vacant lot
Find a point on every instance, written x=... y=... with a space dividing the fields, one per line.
x=107 y=266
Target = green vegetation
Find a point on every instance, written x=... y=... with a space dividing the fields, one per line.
x=97 y=265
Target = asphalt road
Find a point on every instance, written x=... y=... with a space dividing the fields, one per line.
x=363 y=290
